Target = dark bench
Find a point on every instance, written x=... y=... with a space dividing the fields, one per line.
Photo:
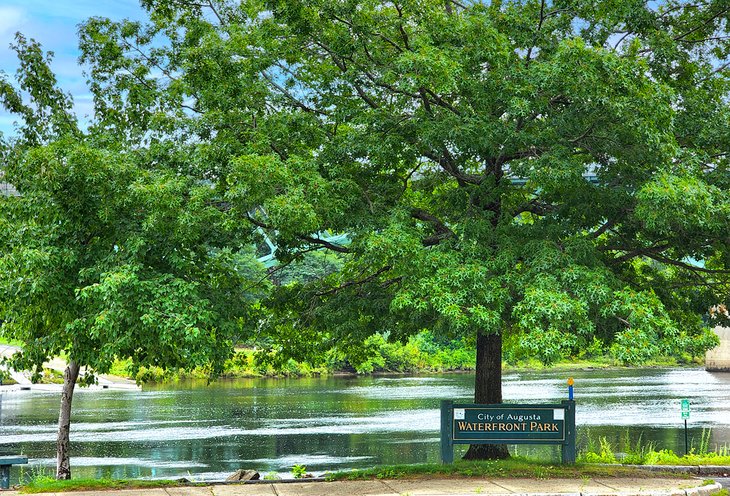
x=5 y=463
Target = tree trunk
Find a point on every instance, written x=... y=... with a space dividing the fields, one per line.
x=63 y=465
x=488 y=390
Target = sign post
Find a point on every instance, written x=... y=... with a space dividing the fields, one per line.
x=685 y=416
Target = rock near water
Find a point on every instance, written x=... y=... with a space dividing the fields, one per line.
x=243 y=475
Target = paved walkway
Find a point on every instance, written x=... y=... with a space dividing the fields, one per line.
x=24 y=383
x=435 y=487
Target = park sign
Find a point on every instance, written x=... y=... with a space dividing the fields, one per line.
x=685 y=409
x=508 y=424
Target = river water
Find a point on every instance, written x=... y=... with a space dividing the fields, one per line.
x=205 y=432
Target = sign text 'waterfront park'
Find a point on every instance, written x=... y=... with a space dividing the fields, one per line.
x=508 y=424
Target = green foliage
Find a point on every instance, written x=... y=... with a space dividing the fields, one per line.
x=639 y=452
x=107 y=255
x=516 y=467
x=309 y=268
x=45 y=484
x=668 y=457
x=451 y=143
x=298 y=471
x=636 y=452
x=422 y=353
x=604 y=454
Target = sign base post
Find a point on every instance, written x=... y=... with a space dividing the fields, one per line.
x=447 y=445
x=568 y=449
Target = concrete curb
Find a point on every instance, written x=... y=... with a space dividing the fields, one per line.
x=703 y=470
x=703 y=490
x=684 y=469
x=706 y=490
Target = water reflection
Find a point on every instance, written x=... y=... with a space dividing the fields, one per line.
x=206 y=432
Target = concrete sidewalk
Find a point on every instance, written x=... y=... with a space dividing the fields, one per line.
x=433 y=487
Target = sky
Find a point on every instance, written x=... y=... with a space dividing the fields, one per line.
x=54 y=24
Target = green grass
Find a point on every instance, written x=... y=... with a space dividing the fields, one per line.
x=49 y=484
x=515 y=467
x=11 y=342
x=636 y=451
x=668 y=457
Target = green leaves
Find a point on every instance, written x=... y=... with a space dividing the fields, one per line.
x=647 y=329
x=674 y=205
x=105 y=255
x=556 y=172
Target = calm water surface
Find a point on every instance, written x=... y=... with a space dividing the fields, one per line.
x=206 y=432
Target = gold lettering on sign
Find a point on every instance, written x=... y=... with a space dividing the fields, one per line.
x=508 y=426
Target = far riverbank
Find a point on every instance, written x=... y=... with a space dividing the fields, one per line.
x=421 y=355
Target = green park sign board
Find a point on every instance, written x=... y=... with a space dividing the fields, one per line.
x=508 y=424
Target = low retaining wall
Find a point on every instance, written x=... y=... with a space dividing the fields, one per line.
x=718 y=359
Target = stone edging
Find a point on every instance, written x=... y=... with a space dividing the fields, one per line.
x=707 y=490
x=684 y=469
x=703 y=490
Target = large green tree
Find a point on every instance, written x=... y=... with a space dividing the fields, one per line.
x=547 y=171
x=107 y=254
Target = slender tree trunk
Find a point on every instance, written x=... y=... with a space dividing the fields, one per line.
x=488 y=390
x=63 y=465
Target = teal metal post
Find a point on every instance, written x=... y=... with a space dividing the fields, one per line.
x=5 y=463
x=447 y=436
x=568 y=451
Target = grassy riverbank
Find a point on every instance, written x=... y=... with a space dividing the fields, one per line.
x=50 y=485
x=516 y=467
x=513 y=468
x=637 y=452
x=421 y=354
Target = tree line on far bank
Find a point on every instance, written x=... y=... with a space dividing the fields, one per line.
x=451 y=141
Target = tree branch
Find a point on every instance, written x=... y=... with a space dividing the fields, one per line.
x=632 y=253
x=605 y=227
x=324 y=244
x=442 y=230
x=371 y=103
x=291 y=97
x=360 y=282
x=441 y=102
x=678 y=263
x=309 y=239
x=535 y=207
x=447 y=163
x=528 y=56
x=702 y=25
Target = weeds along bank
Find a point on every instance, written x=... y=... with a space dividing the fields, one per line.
x=423 y=353
x=637 y=451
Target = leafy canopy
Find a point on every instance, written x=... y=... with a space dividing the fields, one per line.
x=454 y=143
x=107 y=254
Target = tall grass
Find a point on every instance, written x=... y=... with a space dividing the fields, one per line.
x=640 y=452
